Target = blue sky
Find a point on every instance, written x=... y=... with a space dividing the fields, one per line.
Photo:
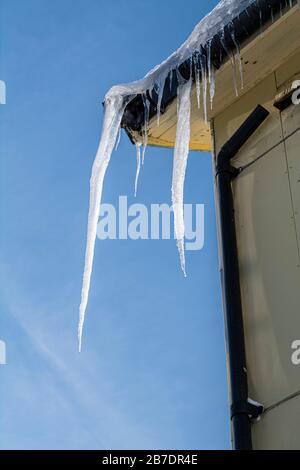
x=152 y=372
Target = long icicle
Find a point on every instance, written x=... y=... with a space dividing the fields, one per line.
x=204 y=75
x=160 y=88
x=146 y=126
x=239 y=57
x=181 y=153
x=211 y=76
x=138 y=167
x=114 y=108
x=232 y=59
x=197 y=79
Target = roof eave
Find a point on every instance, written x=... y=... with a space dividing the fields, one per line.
x=246 y=25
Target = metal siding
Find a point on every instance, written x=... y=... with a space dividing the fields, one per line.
x=267 y=204
x=279 y=429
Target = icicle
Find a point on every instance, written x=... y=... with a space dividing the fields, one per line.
x=211 y=77
x=146 y=126
x=171 y=79
x=160 y=88
x=212 y=86
x=181 y=152
x=150 y=92
x=260 y=21
x=140 y=156
x=197 y=78
x=138 y=166
x=232 y=60
x=203 y=66
x=114 y=108
x=238 y=53
x=118 y=139
x=180 y=80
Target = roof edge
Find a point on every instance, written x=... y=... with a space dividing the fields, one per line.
x=248 y=23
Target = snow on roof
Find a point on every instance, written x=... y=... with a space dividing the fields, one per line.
x=213 y=23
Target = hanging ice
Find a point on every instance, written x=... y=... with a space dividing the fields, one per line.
x=198 y=82
x=203 y=68
x=138 y=166
x=181 y=152
x=114 y=108
x=118 y=98
x=146 y=126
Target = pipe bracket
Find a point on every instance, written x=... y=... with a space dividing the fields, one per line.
x=224 y=166
x=251 y=409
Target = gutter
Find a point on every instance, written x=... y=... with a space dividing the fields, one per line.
x=249 y=22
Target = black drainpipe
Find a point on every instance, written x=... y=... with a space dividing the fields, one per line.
x=242 y=411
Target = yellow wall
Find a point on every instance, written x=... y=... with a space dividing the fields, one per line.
x=267 y=204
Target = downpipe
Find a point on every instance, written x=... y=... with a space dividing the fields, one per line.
x=242 y=410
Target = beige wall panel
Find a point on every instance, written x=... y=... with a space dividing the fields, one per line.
x=269 y=133
x=293 y=159
x=267 y=204
x=279 y=429
x=290 y=119
x=270 y=276
x=288 y=70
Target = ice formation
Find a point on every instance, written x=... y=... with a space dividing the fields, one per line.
x=119 y=96
x=138 y=166
x=181 y=153
x=114 y=108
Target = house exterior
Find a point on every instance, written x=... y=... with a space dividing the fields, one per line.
x=266 y=200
